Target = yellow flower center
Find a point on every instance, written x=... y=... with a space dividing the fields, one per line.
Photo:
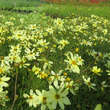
x=1 y=70
x=89 y=83
x=33 y=27
x=68 y=79
x=69 y=86
x=56 y=76
x=15 y=49
x=49 y=79
x=44 y=100
x=65 y=74
x=59 y=22
x=14 y=58
x=79 y=59
x=57 y=96
x=16 y=64
x=6 y=97
x=30 y=97
x=19 y=35
x=74 y=62
x=0 y=80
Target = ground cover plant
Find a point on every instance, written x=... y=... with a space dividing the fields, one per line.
x=55 y=64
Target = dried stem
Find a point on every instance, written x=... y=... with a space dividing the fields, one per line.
x=15 y=88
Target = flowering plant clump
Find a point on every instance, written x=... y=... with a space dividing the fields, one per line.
x=49 y=99
x=51 y=65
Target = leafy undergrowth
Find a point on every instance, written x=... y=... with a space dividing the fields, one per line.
x=55 y=64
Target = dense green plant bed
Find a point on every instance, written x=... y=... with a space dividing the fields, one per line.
x=57 y=10
x=55 y=64
x=19 y=3
x=66 y=10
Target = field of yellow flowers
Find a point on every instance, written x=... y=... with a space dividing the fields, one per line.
x=54 y=64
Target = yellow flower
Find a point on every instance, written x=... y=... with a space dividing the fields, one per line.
x=54 y=46
x=1 y=70
x=40 y=50
x=58 y=97
x=44 y=75
x=88 y=82
x=43 y=98
x=96 y=70
x=62 y=44
x=76 y=49
x=68 y=79
x=32 y=99
x=59 y=22
x=3 y=81
x=50 y=30
x=36 y=70
x=74 y=61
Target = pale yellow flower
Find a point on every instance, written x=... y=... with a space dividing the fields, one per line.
x=74 y=61
x=58 y=97
x=36 y=70
x=32 y=99
x=96 y=70
x=3 y=81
